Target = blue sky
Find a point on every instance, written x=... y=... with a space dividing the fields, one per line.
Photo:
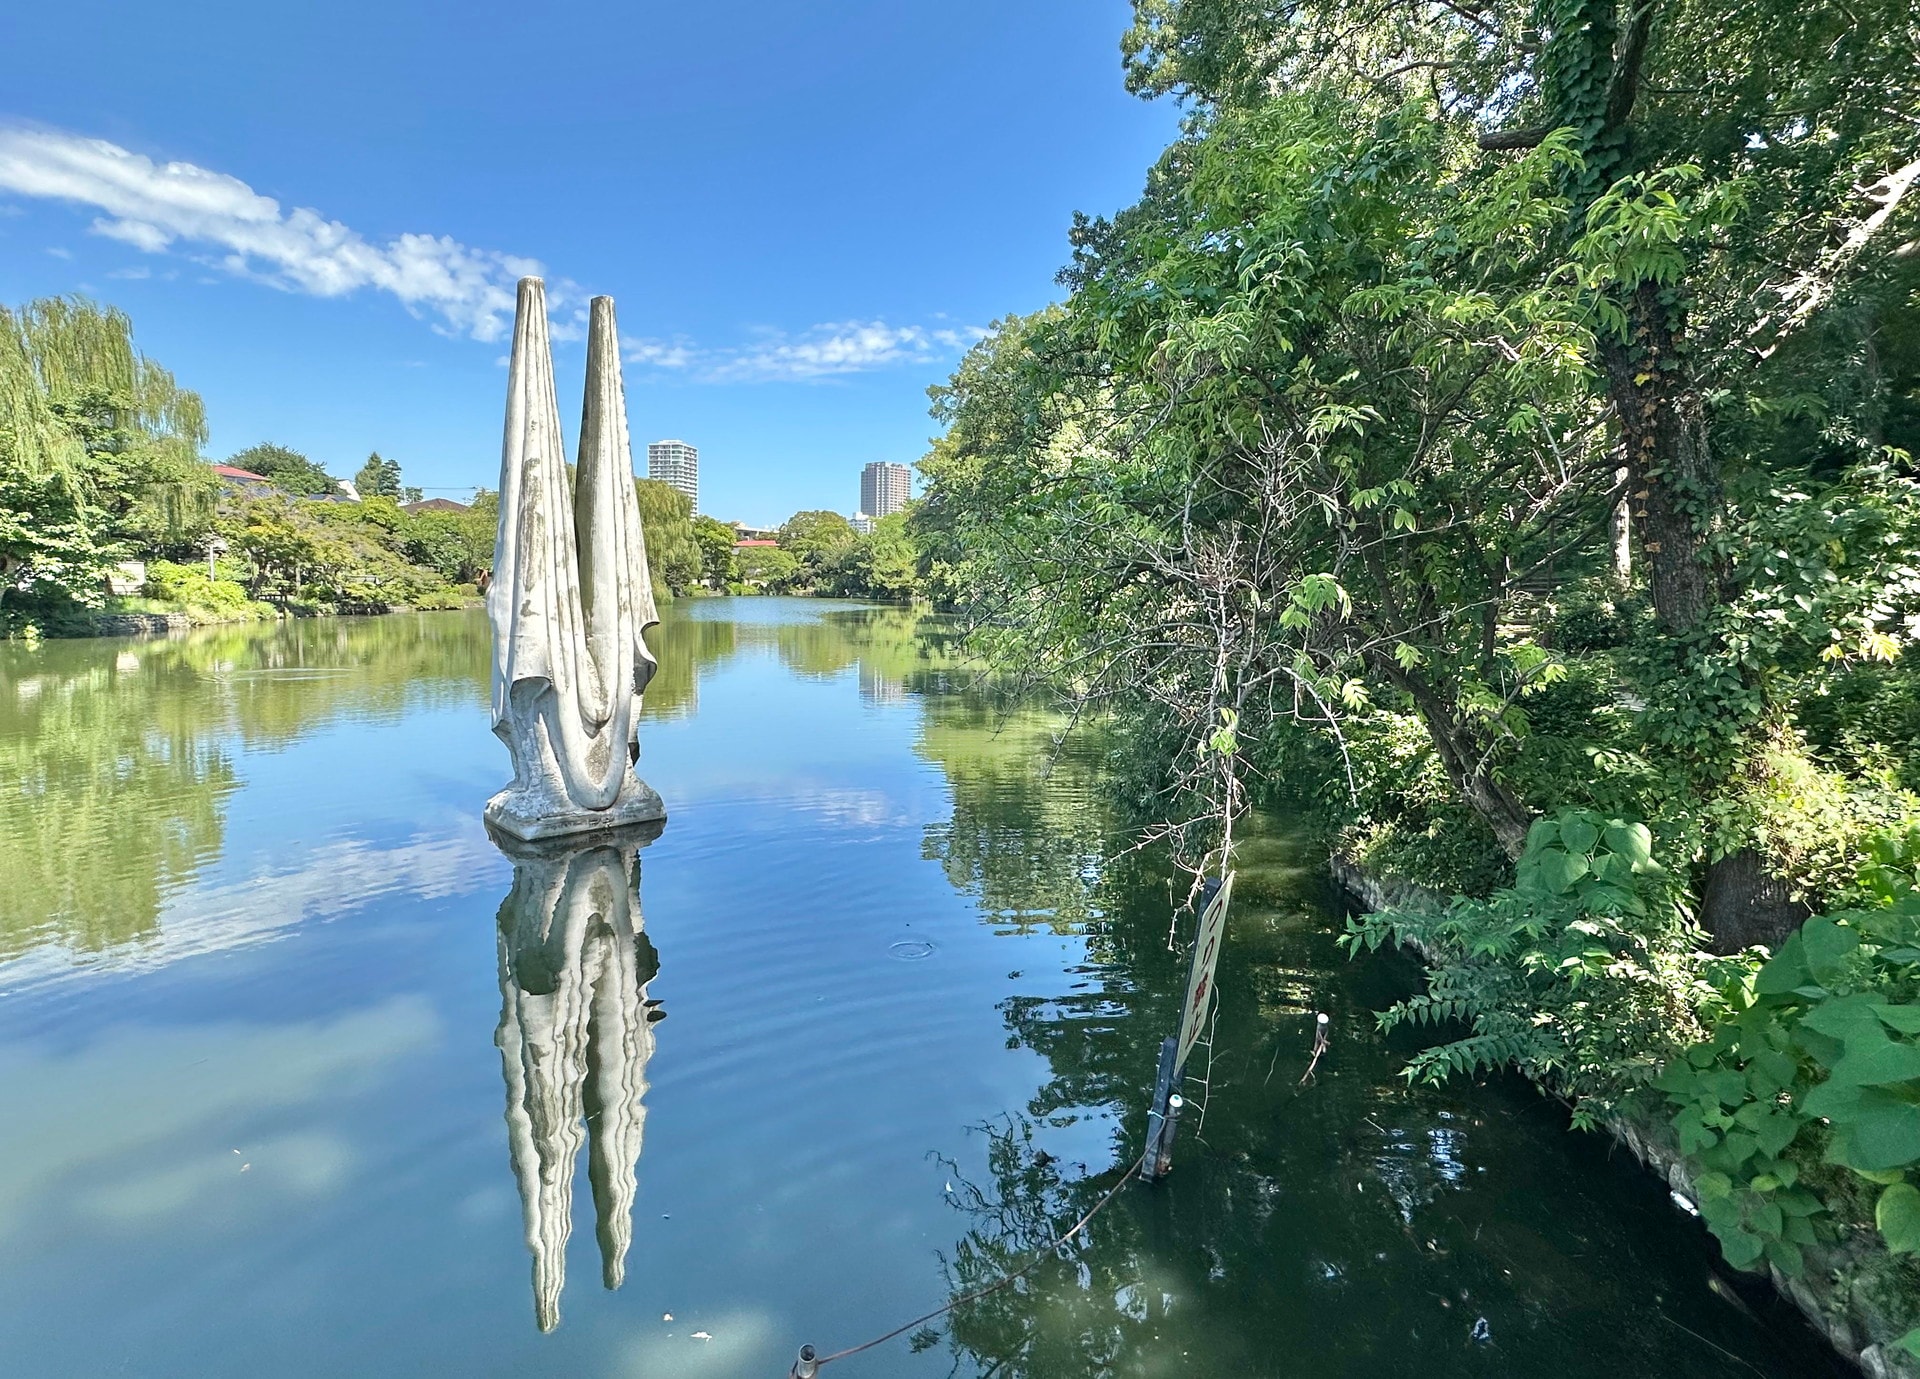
x=314 y=214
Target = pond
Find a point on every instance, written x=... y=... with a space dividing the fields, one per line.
x=303 y=1076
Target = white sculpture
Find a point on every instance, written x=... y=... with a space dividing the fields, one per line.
x=571 y=599
x=576 y=1031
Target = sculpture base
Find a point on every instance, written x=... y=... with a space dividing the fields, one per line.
x=533 y=815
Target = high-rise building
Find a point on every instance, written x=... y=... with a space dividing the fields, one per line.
x=676 y=463
x=885 y=488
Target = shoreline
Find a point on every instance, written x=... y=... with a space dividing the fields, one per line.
x=1829 y=1293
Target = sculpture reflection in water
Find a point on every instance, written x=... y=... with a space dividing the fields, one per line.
x=576 y=1031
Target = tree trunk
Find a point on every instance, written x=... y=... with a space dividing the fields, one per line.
x=1745 y=902
x=1674 y=485
x=1673 y=477
x=1620 y=528
x=1462 y=758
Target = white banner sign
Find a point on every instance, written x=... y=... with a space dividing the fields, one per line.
x=1206 y=952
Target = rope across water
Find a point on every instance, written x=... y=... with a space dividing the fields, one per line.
x=808 y=1366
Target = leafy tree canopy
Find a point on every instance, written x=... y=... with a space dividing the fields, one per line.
x=816 y=533
x=288 y=469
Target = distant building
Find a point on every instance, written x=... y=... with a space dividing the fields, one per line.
x=743 y=532
x=434 y=505
x=245 y=480
x=754 y=543
x=861 y=523
x=885 y=488
x=676 y=463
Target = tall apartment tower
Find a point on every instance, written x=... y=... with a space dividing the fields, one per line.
x=676 y=463
x=885 y=488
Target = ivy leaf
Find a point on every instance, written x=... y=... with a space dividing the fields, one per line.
x=1905 y=1018
x=1770 y=1072
x=1786 y=1257
x=1846 y=1019
x=1897 y=1214
x=1710 y=1186
x=1631 y=841
x=1870 y=1064
x=1885 y=1134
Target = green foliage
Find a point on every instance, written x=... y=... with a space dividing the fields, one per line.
x=378 y=478
x=673 y=553
x=1582 y=974
x=98 y=455
x=192 y=589
x=716 y=538
x=1816 y=1063
x=766 y=569
x=287 y=469
x=816 y=535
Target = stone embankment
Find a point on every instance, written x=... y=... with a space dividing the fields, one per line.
x=139 y=624
x=1836 y=1291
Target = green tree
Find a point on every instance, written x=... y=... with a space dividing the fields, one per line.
x=286 y=468
x=379 y=478
x=716 y=540
x=673 y=552
x=767 y=568
x=1737 y=198
x=98 y=451
x=883 y=563
x=816 y=534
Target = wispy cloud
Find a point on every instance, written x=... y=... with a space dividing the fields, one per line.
x=821 y=352
x=158 y=206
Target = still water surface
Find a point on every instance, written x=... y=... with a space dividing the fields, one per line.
x=301 y=1076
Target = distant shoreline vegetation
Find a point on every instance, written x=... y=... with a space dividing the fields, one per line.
x=108 y=510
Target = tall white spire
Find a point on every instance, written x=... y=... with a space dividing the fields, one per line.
x=571 y=599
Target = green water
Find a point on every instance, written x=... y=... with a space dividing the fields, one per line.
x=300 y=1078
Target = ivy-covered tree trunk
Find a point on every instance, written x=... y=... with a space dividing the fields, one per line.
x=1590 y=78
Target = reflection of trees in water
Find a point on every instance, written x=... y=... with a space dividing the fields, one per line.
x=575 y=1035
x=683 y=646
x=893 y=647
x=1354 y=1225
x=1029 y=832
x=1078 y=1309
x=121 y=752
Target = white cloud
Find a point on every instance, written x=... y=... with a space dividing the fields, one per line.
x=156 y=206
x=823 y=351
x=141 y=1121
x=659 y=354
x=59 y=253
x=223 y=913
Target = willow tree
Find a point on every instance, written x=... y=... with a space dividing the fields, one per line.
x=99 y=449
